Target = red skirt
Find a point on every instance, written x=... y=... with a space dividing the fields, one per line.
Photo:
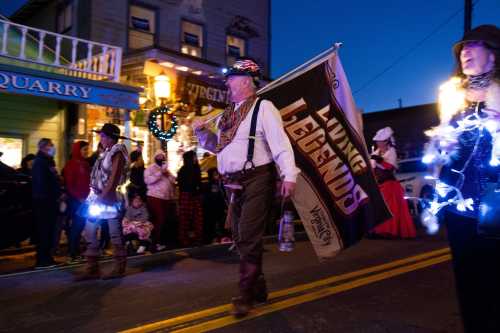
x=401 y=224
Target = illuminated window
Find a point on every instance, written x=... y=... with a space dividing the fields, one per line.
x=12 y=149
x=141 y=27
x=65 y=18
x=192 y=39
x=235 y=48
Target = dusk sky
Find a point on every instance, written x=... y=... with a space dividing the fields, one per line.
x=410 y=41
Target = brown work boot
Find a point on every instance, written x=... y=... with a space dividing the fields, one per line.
x=92 y=271
x=248 y=276
x=260 y=290
x=241 y=306
x=118 y=271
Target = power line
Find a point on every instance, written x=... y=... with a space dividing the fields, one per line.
x=411 y=50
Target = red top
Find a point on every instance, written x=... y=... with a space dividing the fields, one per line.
x=76 y=174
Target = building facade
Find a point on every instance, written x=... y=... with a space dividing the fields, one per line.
x=179 y=46
x=44 y=92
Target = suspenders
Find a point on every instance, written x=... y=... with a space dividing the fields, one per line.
x=251 y=137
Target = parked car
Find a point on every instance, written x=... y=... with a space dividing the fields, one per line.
x=411 y=174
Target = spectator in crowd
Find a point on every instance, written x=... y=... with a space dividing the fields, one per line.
x=160 y=196
x=76 y=174
x=27 y=164
x=384 y=162
x=136 y=225
x=136 y=173
x=95 y=155
x=190 y=203
x=214 y=209
x=46 y=194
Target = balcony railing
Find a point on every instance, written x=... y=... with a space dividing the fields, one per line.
x=61 y=53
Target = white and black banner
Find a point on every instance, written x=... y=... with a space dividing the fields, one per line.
x=337 y=197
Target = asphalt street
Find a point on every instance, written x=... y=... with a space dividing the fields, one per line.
x=375 y=286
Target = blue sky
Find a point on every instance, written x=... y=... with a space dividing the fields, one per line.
x=374 y=35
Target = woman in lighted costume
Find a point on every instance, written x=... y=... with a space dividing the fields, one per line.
x=466 y=144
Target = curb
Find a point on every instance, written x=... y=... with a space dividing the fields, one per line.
x=188 y=251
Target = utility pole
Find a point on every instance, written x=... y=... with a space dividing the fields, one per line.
x=468 y=16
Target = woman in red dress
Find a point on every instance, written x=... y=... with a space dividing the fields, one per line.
x=384 y=162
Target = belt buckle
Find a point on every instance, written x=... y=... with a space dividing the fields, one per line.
x=245 y=167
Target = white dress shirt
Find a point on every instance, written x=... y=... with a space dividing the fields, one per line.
x=271 y=144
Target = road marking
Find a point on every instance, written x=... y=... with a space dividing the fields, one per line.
x=171 y=322
x=315 y=295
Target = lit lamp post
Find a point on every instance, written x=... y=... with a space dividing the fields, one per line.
x=162 y=89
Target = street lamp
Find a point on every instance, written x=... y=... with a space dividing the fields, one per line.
x=162 y=87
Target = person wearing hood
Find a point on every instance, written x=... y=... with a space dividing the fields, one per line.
x=46 y=194
x=160 y=196
x=76 y=175
x=384 y=162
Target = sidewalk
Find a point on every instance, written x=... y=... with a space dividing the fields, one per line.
x=22 y=261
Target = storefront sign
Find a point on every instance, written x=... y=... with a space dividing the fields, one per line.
x=72 y=91
x=200 y=92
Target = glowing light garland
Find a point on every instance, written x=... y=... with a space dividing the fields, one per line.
x=443 y=138
x=155 y=128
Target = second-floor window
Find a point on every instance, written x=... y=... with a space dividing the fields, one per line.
x=65 y=18
x=192 y=39
x=141 y=28
x=235 y=48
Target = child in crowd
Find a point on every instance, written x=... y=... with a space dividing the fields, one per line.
x=136 y=223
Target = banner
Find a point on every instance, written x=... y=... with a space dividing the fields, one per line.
x=337 y=197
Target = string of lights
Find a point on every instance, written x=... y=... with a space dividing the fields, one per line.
x=441 y=146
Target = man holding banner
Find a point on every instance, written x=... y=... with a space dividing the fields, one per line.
x=249 y=142
x=336 y=194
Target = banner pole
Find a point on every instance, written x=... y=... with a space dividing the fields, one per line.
x=299 y=69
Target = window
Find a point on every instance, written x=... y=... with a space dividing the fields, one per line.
x=192 y=39
x=235 y=48
x=65 y=18
x=141 y=28
x=12 y=149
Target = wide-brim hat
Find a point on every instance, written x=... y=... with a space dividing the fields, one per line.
x=112 y=131
x=383 y=134
x=486 y=33
x=244 y=67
